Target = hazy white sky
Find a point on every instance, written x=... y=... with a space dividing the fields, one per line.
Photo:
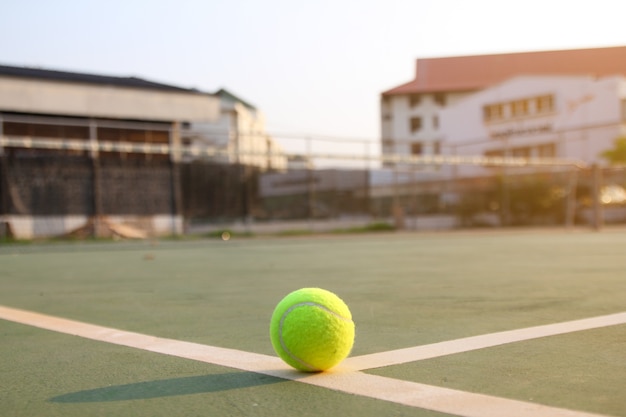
x=313 y=67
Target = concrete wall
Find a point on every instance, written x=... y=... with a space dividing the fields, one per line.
x=37 y=227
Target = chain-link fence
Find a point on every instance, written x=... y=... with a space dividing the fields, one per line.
x=47 y=192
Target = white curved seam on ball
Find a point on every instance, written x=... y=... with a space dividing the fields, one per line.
x=280 y=330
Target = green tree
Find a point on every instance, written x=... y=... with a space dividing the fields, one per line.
x=617 y=155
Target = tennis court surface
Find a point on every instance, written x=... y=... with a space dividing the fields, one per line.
x=506 y=323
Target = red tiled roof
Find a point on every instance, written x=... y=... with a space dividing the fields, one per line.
x=464 y=73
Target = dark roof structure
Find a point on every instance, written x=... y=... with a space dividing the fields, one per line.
x=75 y=77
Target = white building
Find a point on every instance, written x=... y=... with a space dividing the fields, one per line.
x=562 y=117
x=410 y=122
x=239 y=136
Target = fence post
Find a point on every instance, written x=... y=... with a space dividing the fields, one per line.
x=366 y=183
x=175 y=178
x=94 y=156
x=570 y=198
x=4 y=206
x=310 y=174
x=598 y=216
x=4 y=182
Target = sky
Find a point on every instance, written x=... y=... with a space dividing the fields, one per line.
x=314 y=68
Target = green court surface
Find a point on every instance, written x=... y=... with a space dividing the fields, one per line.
x=404 y=291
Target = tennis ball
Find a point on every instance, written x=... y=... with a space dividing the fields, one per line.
x=312 y=329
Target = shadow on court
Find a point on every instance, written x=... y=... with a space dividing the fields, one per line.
x=169 y=387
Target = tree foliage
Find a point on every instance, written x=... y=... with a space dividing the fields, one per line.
x=617 y=155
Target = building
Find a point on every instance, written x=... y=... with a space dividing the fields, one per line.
x=61 y=132
x=238 y=137
x=94 y=98
x=410 y=113
x=546 y=117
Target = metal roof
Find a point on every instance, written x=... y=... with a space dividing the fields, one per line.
x=75 y=77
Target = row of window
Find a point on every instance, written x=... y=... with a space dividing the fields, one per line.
x=547 y=150
x=518 y=108
x=416 y=148
x=494 y=112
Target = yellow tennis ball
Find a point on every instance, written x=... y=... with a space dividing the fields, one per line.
x=312 y=329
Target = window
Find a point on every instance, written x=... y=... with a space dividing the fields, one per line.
x=498 y=111
x=435 y=122
x=494 y=153
x=440 y=99
x=437 y=148
x=493 y=112
x=546 y=151
x=415 y=100
x=416 y=124
x=544 y=104
x=417 y=148
x=519 y=108
x=46 y=130
x=523 y=152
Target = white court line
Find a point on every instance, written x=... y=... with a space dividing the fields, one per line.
x=466 y=344
x=407 y=393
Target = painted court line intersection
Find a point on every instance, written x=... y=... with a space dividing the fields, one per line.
x=347 y=378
